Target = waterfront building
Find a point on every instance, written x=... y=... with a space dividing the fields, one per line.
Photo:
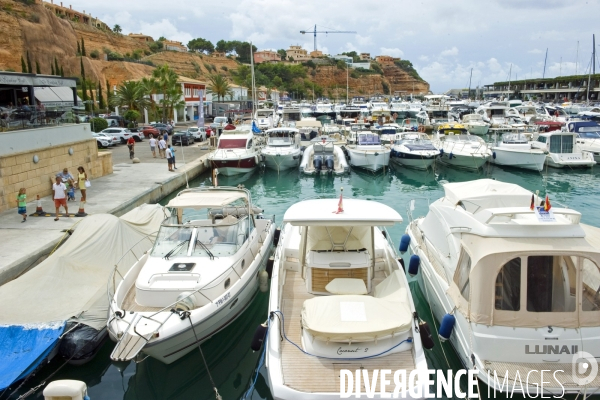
x=562 y=88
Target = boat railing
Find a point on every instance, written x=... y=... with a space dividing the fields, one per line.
x=410 y=206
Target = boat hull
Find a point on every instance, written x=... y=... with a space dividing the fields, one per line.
x=468 y=161
x=574 y=160
x=231 y=167
x=533 y=160
x=413 y=160
x=369 y=160
x=281 y=162
x=477 y=129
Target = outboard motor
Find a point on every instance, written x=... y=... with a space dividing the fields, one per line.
x=329 y=162
x=318 y=163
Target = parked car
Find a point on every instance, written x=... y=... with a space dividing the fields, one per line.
x=111 y=138
x=149 y=130
x=199 y=133
x=218 y=122
x=182 y=139
x=123 y=134
x=116 y=120
x=163 y=127
x=102 y=141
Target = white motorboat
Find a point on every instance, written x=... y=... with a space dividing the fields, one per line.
x=495 y=113
x=322 y=156
x=283 y=149
x=414 y=150
x=264 y=118
x=201 y=274
x=588 y=136
x=368 y=152
x=388 y=132
x=514 y=286
x=460 y=149
x=236 y=152
x=339 y=300
x=563 y=150
x=514 y=150
x=475 y=124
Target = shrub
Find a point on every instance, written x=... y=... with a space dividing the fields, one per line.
x=131 y=115
x=95 y=54
x=35 y=18
x=98 y=124
x=224 y=68
x=114 y=56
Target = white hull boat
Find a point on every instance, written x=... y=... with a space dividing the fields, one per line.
x=514 y=289
x=323 y=157
x=514 y=150
x=414 y=150
x=236 y=153
x=282 y=151
x=475 y=124
x=329 y=265
x=461 y=150
x=368 y=153
x=563 y=150
x=201 y=274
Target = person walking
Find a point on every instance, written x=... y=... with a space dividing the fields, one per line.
x=162 y=146
x=173 y=150
x=82 y=179
x=59 y=191
x=130 y=146
x=22 y=204
x=153 y=146
x=169 y=153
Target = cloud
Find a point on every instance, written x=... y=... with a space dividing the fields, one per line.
x=166 y=28
x=423 y=58
x=394 y=52
x=449 y=52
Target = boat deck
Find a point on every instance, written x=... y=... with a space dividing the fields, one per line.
x=310 y=374
x=129 y=304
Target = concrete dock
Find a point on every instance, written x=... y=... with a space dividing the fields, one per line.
x=24 y=244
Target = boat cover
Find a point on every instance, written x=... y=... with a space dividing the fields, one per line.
x=487 y=193
x=356 y=318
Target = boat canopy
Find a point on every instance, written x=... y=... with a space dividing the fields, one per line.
x=322 y=212
x=308 y=124
x=198 y=199
x=486 y=193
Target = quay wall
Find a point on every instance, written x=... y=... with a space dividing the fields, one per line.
x=54 y=148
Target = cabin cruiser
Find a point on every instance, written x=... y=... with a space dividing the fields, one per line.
x=323 y=107
x=356 y=113
x=201 y=274
x=380 y=109
x=515 y=150
x=264 y=118
x=588 y=136
x=563 y=150
x=513 y=284
x=322 y=156
x=388 y=132
x=368 y=152
x=361 y=102
x=353 y=129
x=414 y=150
x=236 y=152
x=475 y=124
x=494 y=113
x=460 y=149
x=282 y=150
x=339 y=300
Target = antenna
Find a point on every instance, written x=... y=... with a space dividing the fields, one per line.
x=545 y=59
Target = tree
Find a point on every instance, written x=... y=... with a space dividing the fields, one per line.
x=29 y=69
x=277 y=81
x=132 y=115
x=162 y=39
x=150 y=86
x=218 y=85
x=23 y=65
x=98 y=124
x=84 y=95
x=201 y=45
x=57 y=70
x=353 y=54
x=62 y=72
x=167 y=86
x=282 y=53
x=130 y=95
x=83 y=48
x=222 y=46
x=78 y=49
x=117 y=29
x=37 y=67
x=82 y=69
x=101 y=104
x=52 y=69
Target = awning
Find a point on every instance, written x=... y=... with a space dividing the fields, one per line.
x=323 y=212
x=206 y=199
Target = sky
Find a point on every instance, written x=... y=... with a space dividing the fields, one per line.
x=443 y=39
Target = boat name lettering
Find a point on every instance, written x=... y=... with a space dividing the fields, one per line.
x=223 y=299
x=551 y=349
x=341 y=351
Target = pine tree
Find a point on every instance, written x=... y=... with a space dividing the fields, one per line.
x=61 y=72
x=82 y=69
x=83 y=48
x=52 y=69
x=29 y=69
x=23 y=66
x=84 y=95
x=92 y=98
x=37 y=68
x=78 y=49
x=100 y=98
x=56 y=69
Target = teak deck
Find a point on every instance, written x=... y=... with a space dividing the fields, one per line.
x=310 y=374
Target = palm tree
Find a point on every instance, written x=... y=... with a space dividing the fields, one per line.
x=167 y=85
x=219 y=86
x=117 y=28
x=150 y=86
x=130 y=94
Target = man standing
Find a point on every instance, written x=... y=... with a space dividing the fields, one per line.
x=170 y=157
x=153 y=146
x=162 y=146
x=166 y=136
x=130 y=145
x=59 y=191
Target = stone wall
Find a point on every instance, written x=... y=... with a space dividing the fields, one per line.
x=18 y=168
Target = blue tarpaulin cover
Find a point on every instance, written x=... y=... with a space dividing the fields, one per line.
x=23 y=348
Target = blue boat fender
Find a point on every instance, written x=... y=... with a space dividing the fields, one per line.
x=413 y=265
x=404 y=242
x=494 y=155
x=442 y=152
x=446 y=327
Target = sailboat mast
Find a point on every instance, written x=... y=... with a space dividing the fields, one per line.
x=594 y=54
x=545 y=59
x=509 y=76
x=577 y=58
x=469 y=95
x=252 y=82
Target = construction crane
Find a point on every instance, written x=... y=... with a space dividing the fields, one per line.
x=315 y=31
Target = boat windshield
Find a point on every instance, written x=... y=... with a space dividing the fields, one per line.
x=368 y=139
x=232 y=143
x=514 y=138
x=589 y=135
x=463 y=138
x=279 y=141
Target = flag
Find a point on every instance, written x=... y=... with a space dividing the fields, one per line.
x=547 y=205
x=340 y=203
x=532 y=206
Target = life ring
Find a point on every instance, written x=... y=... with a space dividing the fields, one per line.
x=422 y=128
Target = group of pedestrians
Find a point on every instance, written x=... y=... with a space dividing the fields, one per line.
x=164 y=150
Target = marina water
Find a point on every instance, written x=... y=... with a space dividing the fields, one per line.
x=230 y=359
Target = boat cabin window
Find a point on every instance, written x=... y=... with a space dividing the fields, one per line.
x=369 y=139
x=591 y=286
x=589 y=132
x=461 y=277
x=172 y=241
x=249 y=145
x=561 y=144
x=508 y=286
x=548 y=287
x=276 y=141
x=232 y=144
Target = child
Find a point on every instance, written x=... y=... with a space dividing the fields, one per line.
x=22 y=200
x=70 y=192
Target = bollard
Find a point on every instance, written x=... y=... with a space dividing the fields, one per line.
x=81 y=211
x=38 y=209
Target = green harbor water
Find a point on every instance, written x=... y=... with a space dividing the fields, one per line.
x=230 y=359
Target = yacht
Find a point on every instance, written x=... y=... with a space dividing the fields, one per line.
x=368 y=152
x=414 y=150
x=475 y=124
x=512 y=284
x=322 y=156
x=201 y=274
x=588 y=136
x=283 y=149
x=388 y=132
x=361 y=102
x=494 y=113
x=264 y=118
x=323 y=107
x=460 y=149
x=380 y=109
x=236 y=152
x=339 y=300
x=515 y=150
x=563 y=150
